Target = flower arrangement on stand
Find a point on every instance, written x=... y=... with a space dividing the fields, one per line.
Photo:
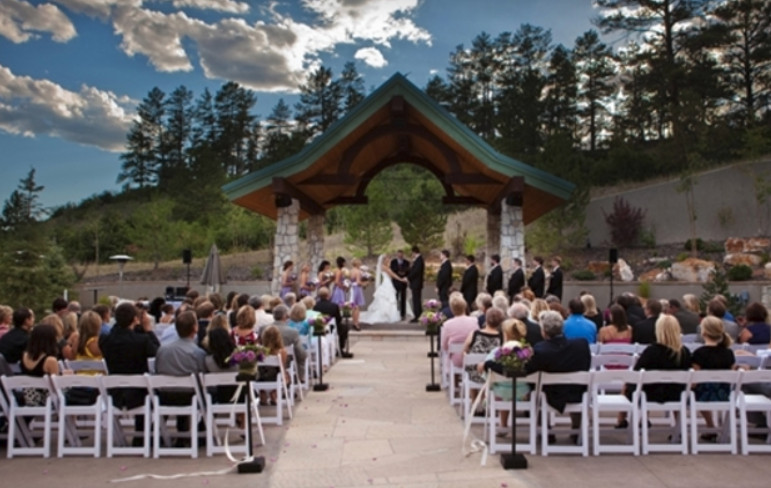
x=432 y=305
x=246 y=358
x=513 y=356
x=319 y=324
x=347 y=310
x=431 y=318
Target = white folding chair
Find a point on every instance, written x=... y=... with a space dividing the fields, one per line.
x=578 y=378
x=756 y=348
x=594 y=348
x=689 y=338
x=223 y=414
x=71 y=415
x=692 y=346
x=14 y=385
x=151 y=365
x=296 y=386
x=723 y=412
x=602 y=362
x=120 y=419
x=751 y=400
x=748 y=362
x=530 y=420
x=161 y=385
x=454 y=373
x=279 y=386
x=470 y=361
x=614 y=348
x=677 y=410
x=603 y=400
x=97 y=366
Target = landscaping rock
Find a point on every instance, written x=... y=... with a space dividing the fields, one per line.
x=734 y=245
x=656 y=275
x=599 y=268
x=767 y=270
x=623 y=271
x=693 y=270
x=738 y=258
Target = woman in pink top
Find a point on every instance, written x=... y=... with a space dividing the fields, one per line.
x=458 y=328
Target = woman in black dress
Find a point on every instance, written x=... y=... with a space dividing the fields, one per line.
x=715 y=354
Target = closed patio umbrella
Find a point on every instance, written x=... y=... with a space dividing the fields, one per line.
x=212 y=275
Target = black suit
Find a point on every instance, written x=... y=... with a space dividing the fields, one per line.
x=516 y=283
x=644 y=331
x=444 y=282
x=469 y=285
x=561 y=355
x=415 y=277
x=331 y=309
x=555 y=283
x=495 y=279
x=537 y=281
x=401 y=269
x=533 y=332
x=13 y=344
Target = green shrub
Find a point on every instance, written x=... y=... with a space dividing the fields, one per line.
x=584 y=275
x=682 y=257
x=740 y=272
x=689 y=244
x=257 y=272
x=666 y=264
x=713 y=247
x=644 y=289
x=648 y=238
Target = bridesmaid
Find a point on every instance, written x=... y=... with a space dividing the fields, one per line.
x=324 y=276
x=341 y=287
x=357 y=294
x=306 y=285
x=287 y=278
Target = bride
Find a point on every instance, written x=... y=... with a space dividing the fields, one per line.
x=384 y=308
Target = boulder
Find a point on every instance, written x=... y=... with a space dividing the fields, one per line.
x=734 y=244
x=735 y=259
x=767 y=270
x=693 y=270
x=623 y=271
x=599 y=268
x=757 y=244
x=656 y=275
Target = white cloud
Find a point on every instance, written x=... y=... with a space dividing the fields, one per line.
x=93 y=117
x=371 y=56
x=20 y=20
x=219 y=5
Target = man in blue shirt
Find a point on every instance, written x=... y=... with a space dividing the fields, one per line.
x=577 y=325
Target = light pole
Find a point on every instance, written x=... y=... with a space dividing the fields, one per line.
x=121 y=259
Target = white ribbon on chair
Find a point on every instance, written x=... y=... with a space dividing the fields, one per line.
x=471 y=443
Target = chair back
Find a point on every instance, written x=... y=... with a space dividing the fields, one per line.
x=602 y=362
x=750 y=362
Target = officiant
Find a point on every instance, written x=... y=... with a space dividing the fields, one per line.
x=401 y=267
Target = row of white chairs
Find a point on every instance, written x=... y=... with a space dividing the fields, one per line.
x=74 y=423
x=649 y=422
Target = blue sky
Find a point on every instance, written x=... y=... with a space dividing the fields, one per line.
x=72 y=71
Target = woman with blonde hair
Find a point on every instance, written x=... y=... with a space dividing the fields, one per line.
x=87 y=337
x=274 y=345
x=536 y=307
x=715 y=354
x=590 y=310
x=297 y=320
x=219 y=321
x=692 y=304
x=306 y=284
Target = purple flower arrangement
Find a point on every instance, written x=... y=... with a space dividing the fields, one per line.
x=513 y=355
x=249 y=354
x=432 y=305
x=319 y=324
x=432 y=320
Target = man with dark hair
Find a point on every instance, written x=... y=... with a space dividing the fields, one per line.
x=401 y=267
x=495 y=275
x=521 y=312
x=689 y=321
x=205 y=313
x=644 y=332
x=576 y=325
x=126 y=350
x=59 y=306
x=14 y=342
x=415 y=278
x=470 y=282
x=104 y=313
x=555 y=279
x=331 y=309
x=537 y=279
x=516 y=280
x=444 y=279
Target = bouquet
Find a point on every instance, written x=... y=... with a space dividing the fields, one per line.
x=319 y=324
x=366 y=276
x=246 y=357
x=328 y=276
x=432 y=305
x=432 y=320
x=513 y=355
x=347 y=309
x=346 y=283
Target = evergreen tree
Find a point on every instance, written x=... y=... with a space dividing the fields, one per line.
x=594 y=62
x=236 y=127
x=351 y=86
x=179 y=121
x=320 y=101
x=23 y=206
x=437 y=89
x=561 y=92
x=145 y=155
x=368 y=227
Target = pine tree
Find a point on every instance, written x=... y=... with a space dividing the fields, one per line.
x=320 y=101
x=351 y=86
x=594 y=62
x=23 y=206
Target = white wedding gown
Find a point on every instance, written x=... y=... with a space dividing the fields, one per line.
x=383 y=308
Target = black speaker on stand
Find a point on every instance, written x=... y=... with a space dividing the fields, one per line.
x=187 y=258
x=612 y=259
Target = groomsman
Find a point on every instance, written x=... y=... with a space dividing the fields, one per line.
x=415 y=277
x=517 y=279
x=495 y=276
x=444 y=279
x=470 y=281
x=537 y=279
x=401 y=268
x=555 y=279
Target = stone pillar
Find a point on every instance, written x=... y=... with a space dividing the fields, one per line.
x=286 y=245
x=512 y=235
x=316 y=241
x=493 y=238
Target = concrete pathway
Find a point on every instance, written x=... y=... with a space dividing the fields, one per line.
x=377 y=426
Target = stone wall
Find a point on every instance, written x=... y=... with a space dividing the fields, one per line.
x=315 y=242
x=512 y=235
x=287 y=244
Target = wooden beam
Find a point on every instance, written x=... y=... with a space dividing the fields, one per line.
x=470 y=179
x=459 y=200
x=355 y=200
x=282 y=185
x=515 y=185
x=327 y=179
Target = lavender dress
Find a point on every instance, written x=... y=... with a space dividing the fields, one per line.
x=338 y=296
x=357 y=295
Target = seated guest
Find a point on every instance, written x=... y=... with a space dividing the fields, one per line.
x=261 y=317
x=290 y=338
x=558 y=354
x=238 y=302
x=715 y=354
x=39 y=359
x=482 y=341
x=220 y=346
x=104 y=314
x=521 y=312
x=617 y=331
x=692 y=304
x=167 y=314
x=181 y=358
x=576 y=325
x=634 y=312
x=689 y=321
x=666 y=353
x=757 y=330
x=86 y=339
x=590 y=310
x=14 y=342
x=484 y=303
x=6 y=315
x=716 y=308
x=220 y=321
x=536 y=307
x=297 y=320
x=205 y=312
x=273 y=342
x=327 y=307
x=644 y=331
x=458 y=328
x=244 y=332
x=310 y=303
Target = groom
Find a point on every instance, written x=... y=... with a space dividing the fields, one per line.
x=401 y=268
x=415 y=277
